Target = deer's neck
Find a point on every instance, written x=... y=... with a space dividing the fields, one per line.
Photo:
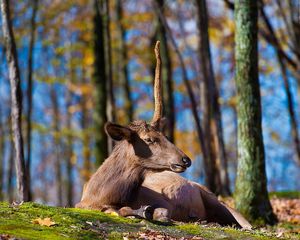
x=119 y=178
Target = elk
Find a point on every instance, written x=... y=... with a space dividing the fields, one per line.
x=140 y=177
x=140 y=148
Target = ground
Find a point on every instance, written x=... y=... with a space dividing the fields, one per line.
x=35 y=221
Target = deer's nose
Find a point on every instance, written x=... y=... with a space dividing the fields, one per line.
x=187 y=161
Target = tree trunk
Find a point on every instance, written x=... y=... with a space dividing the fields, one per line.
x=10 y=174
x=218 y=180
x=111 y=109
x=124 y=63
x=169 y=108
x=69 y=150
x=16 y=100
x=251 y=194
x=29 y=94
x=57 y=146
x=86 y=152
x=2 y=155
x=99 y=80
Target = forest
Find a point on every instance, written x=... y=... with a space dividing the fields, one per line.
x=230 y=85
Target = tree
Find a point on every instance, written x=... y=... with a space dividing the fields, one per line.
x=99 y=80
x=111 y=109
x=169 y=109
x=216 y=170
x=57 y=145
x=69 y=138
x=2 y=154
x=29 y=92
x=124 y=61
x=69 y=150
x=16 y=100
x=251 y=194
x=10 y=174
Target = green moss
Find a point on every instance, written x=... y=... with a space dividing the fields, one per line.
x=85 y=224
x=70 y=223
x=285 y=194
x=115 y=235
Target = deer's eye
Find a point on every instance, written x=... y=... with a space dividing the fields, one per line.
x=148 y=140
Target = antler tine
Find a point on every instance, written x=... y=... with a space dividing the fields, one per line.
x=158 y=105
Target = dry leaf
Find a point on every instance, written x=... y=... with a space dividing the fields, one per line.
x=44 y=222
x=114 y=214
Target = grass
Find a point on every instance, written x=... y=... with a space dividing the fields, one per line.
x=286 y=194
x=85 y=224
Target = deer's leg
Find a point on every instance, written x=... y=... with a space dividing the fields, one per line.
x=142 y=212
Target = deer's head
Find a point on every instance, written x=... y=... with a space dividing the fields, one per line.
x=146 y=141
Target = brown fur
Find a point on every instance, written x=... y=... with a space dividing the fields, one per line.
x=185 y=200
x=140 y=148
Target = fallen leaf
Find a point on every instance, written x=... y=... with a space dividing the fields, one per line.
x=114 y=214
x=43 y=222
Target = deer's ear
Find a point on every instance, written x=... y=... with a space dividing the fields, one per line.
x=118 y=132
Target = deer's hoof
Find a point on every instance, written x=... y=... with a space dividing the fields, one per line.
x=148 y=212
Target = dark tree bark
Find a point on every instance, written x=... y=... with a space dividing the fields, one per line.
x=68 y=147
x=294 y=23
x=29 y=93
x=111 y=109
x=16 y=100
x=217 y=175
x=69 y=150
x=251 y=194
x=86 y=152
x=10 y=174
x=185 y=80
x=124 y=63
x=168 y=98
x=111 y=112
x=57 y=146
x=99 y=80
x=2 y=154
x=43 y=177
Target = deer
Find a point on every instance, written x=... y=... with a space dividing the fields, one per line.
x=140 y=178
x=140 y=148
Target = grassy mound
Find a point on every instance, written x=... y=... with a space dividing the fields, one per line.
x=21 y=222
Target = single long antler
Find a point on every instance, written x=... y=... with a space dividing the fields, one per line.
x=158 y=105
